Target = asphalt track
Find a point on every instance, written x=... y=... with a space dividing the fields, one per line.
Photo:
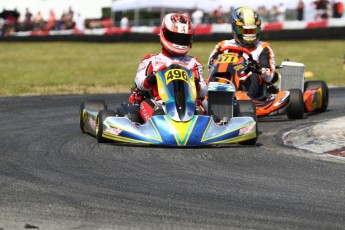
x=54 y=177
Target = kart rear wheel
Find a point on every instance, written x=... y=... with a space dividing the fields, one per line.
x=324 y=92
x=295 y=109
x=248 y=109
x=101 y=116
x=90 y=104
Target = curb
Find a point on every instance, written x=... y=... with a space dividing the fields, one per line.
x=326 y=138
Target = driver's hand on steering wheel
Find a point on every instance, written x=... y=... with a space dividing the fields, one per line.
x=151 y=79
x=254 y=66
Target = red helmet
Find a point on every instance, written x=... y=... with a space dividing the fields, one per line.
x=176 y=34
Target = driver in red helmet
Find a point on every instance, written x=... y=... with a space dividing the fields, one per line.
x=176 y=37
x=246 y=28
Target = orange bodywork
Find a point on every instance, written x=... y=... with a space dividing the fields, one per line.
x=265 y=108
x=231 y=63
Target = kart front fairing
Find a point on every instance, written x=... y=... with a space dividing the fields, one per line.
x=162 y=130
x=179 y=126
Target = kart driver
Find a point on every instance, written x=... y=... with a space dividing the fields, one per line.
x=246 y=27
x=176 y=37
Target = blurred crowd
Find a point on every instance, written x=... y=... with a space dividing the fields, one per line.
x=14 y=21
x=323 y=9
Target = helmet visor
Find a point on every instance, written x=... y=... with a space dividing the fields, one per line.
x=178 y=38
x=241 y=30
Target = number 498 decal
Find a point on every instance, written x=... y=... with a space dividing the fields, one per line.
x=175 y=74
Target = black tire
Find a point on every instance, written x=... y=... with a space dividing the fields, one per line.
x=295 y=109
x=248 y=109
x=90 y=104
x=324 y=92
x=101 y=116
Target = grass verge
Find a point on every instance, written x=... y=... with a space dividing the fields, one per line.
x=85 y=68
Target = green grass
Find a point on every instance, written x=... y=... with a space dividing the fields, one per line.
x=82 y=68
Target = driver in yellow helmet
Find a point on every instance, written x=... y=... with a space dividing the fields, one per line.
x=246 y=28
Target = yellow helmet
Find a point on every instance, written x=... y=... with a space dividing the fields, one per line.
x=246 y=26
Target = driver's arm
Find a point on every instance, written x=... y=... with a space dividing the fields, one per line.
x=202 y=87
x=144 y=69
x=267 y=63
x=214 y=55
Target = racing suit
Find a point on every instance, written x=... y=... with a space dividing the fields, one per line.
x=264 y=66
x=153 y=62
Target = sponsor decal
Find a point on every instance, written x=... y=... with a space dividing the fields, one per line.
x=142 y=66
x=143 y=112
x=92 y=123
x=114 y=131
x=239 y=67
x=182 y=28
x=247 y=130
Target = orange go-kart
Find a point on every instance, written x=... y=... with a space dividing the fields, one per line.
x=290 y=94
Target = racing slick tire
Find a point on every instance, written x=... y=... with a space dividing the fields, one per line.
x=90 y=104
x=247 y=108
x=324 y=92
x=295 y=109
x=101 y=116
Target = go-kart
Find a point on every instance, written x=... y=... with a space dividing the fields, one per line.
x=178 y=121
x=290 y=94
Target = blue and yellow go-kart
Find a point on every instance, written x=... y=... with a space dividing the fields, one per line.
x=180 y=124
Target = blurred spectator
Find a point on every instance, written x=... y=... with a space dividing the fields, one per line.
x=300 y=10
x=27 y=20
x=322 y=7
x=10 y=21
x=262 y=12
x=66 y=20
x=281 y=12
x=51 y=21
x=16 y=16
x=2 y=23
x=216 y=16
x=197 y=16
x=38 y=21
x=274 y=13
x=79 y=22
x=338 y=9
x=232 y=9
x=107 y=23
x=70 y=14
x=124 y=22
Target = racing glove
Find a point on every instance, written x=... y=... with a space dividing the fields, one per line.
x=213 y=58
x=253 y=66
x=151 y=79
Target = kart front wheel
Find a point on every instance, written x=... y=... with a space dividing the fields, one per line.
x=90 y=104
x=101 y=116
x=295 y=109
